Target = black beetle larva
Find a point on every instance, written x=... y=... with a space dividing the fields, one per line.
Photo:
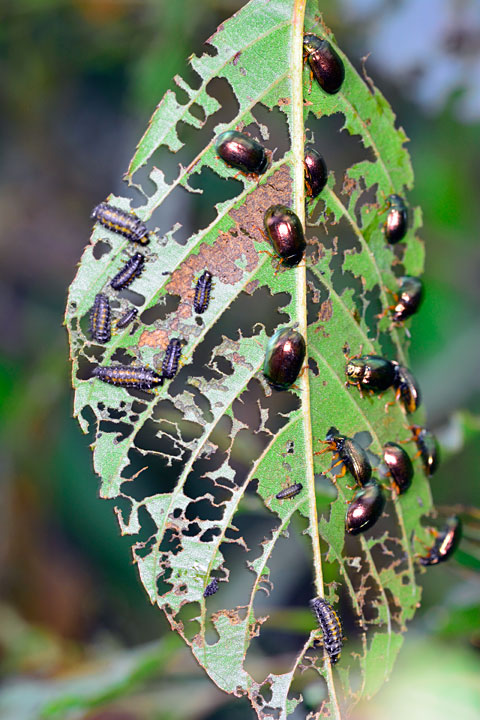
x=289 y=492
x=242 y=152
x=316 y=173
x=121 y=222
x=330 y=626
x=370 y=372
x=132 y=269
x=396 y=224
x=284 y=358
x=399 y=466
x=211 y=588
x=285 y=232
x=100 y=326
x=127 y=318
x=366 y=507
x=350 y=453
x=446 y=542
x=140 y=378
x=203 y=289
x=172 y=358
x=325 y=63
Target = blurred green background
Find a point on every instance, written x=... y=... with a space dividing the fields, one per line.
x=79 y=80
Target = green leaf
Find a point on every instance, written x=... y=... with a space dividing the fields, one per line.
x=94 y=684
x=213 y=430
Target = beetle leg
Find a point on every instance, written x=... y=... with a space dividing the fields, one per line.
x=320 y=452
x=342 y=472
x=310 y=72
x=403 y=442
x=352 y=487
x=385 y=206
x=387 y=405
x=432 y=532
x=267 y=252
x=351 y=357
x=393 y=487
x=383 y=314
x=417 y=556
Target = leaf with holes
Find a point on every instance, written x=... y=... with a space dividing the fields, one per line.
x=195 y=466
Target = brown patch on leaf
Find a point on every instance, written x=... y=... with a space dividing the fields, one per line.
x=198 y=641
x=237 y=358
x=277 y=190
x=222 y=258
x=349 y=185
x=321 y=329
x=251 y=287
x=284 y=101
x=232 y=615
x=325 y=313
x=154 y=338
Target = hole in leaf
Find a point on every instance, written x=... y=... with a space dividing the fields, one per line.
x=203 y=510
x=101 y=248
x=120 y=429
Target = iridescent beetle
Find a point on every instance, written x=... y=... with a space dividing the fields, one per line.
x=316 y=174
x=284 y=358
x=408 y=299
x=396 y=224
x=407 y=389
x=446 y=542
x=399 y=466
x=325 y=63
x=350 y=453
x=428 y=448
x=285 y=232
x=365 y=509
x=370 y=372
x=242 y=152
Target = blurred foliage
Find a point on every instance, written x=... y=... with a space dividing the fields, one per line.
x=78 y=81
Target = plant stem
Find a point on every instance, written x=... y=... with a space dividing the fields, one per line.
x=299 y=202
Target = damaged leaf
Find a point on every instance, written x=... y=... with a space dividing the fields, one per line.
x=194 y=467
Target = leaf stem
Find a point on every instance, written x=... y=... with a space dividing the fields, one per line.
x=299 y=204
